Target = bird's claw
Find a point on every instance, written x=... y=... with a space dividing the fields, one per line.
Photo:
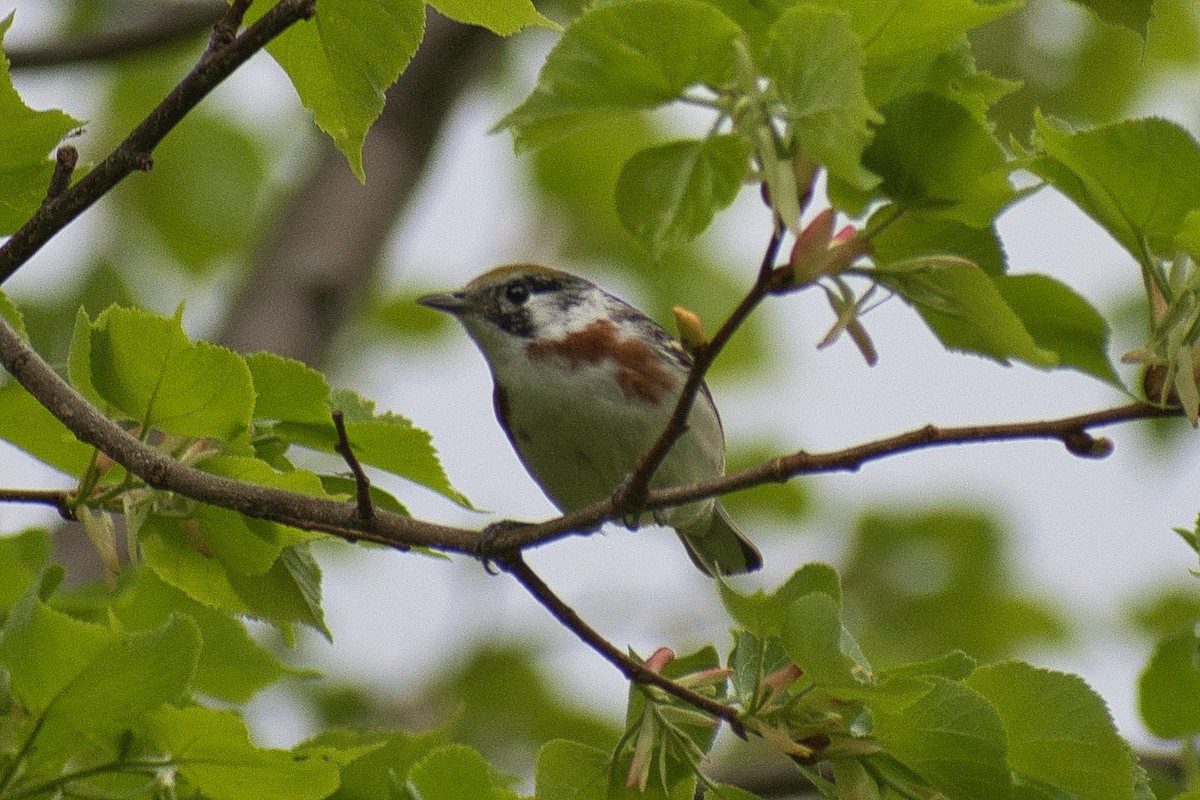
x=483 y=548
x=628 y=501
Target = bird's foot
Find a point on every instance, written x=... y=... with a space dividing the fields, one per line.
x=485 y=549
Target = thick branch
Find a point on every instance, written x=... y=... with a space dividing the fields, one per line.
x=135 y=152
x=163 y=472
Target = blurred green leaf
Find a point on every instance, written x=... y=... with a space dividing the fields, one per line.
x=919 y=585
x=1132 y=14
x=343 y=60
x=667 y=194
x=623 y=56
x=788 y=502
x=1169 y=687
x=146 y=367
x=1059 y=731
x=1169 y=610
x=501 y=17
x=202 y=198
x=815 y=63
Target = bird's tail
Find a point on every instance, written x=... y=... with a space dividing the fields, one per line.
x=717 y=547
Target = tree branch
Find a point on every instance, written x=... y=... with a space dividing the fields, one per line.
x=513 y=563
x=162 y=29
x=135 y=152
x=59 y=498
x=1072 y=431
x=630 y=499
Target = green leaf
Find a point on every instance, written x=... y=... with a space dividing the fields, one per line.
x=29 y=136
x=935 y=156
x=342 y=61
x=953 y=666
x=43 y=650
x=388 y=441
x=623 y=56
x=232 y=665
x=571 y=771
x=815 y=640
x=913 y=234
x=23 y=557
x=212 y=751
x=12 y=314
x=667 y=194
x=763 y=614
x=126 y=680
x=288 y=592
x=27 y=424
x=1059 y=731
x=815 y=62
x=1138 y=179
x=903 y=38
x=1169 y=688
x=454 y=772
x=145 y=366
x=1061 y=322
x=964 y=309
x=373 y=774
x=952 y=738
x=502 y=17
x=1132 y=14
x=286 y=389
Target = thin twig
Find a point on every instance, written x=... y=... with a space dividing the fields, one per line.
x=65 y=160
x=513 y=563
x=59 y=498
x=225 y=31
x=362 y=484
x=135 y=152
x=163 y=29
x=1071 y=431
x=630 y=498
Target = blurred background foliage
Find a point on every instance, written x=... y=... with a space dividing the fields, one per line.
x=240 y=203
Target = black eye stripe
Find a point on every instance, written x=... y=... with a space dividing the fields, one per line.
x=517 y=292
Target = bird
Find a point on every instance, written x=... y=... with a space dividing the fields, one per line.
x=584 y=384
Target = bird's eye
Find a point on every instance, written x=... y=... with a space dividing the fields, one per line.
x=516 y=293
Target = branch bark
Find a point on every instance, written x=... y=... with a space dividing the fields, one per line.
x=135 y=153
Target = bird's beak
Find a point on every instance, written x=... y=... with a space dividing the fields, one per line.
x=452 y=302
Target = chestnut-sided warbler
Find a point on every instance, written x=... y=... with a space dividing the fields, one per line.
x=584 y=384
